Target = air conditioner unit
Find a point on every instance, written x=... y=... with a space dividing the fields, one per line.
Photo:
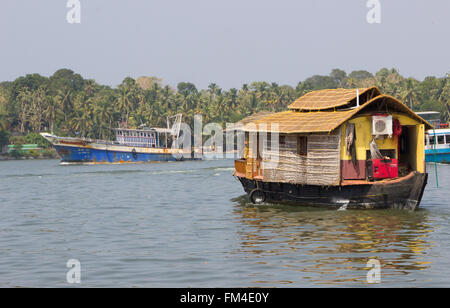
x=382 y=124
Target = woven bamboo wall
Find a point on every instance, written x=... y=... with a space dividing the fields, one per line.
x=324 y=159
x=321 y=165
x=291 y=167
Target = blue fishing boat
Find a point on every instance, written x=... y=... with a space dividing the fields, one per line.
x=139 y=145
x=437 y=139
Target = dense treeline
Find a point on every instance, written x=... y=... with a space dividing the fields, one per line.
x=67 y=104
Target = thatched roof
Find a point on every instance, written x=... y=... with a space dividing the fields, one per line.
x=332 y=98
x=254 y=117
x=327 y=121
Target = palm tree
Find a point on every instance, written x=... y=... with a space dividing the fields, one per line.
x=221 y=108
x=213 y=89
x=408 y=93
x=231 y=98
x=261 y=89
x=82 y=119
x=52 y=110
x=276 y=96
x=38 y=102
x=126 y=99
x=103 y=114
x=65 y=97
x=444 y=99
x=89 y=87
x=24 y=98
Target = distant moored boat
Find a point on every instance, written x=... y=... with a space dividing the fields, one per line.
x=131 y=146
x=437 y=140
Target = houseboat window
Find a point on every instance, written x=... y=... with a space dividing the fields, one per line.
x=302 y=145
x=447 y=137
x=441 y=139
x=282 y=140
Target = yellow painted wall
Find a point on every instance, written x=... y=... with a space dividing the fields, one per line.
x=363 y=128
x=419 y=137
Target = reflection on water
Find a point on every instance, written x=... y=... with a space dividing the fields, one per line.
x=177 y=225
x=333 y=247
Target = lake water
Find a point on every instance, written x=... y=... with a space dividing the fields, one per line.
x=188 y=224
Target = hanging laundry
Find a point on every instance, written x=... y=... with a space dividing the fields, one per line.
x=350 y=141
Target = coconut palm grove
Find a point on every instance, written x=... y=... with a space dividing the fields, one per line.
x=69 y=105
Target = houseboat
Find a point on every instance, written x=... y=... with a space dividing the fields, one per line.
x=131 y=146
x=437 y=139
x=345 y=148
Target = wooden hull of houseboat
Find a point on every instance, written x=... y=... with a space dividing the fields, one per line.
x=402 y=193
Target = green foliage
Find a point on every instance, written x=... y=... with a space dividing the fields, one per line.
x=33 y=154
x=18 y=142
x=48 y=153
x=69 y=105
x=35 y=138
x=318 y=82
x=360 y=75
x=338 y=76
x=4 y=138
x=65 y=80
x=15 y=154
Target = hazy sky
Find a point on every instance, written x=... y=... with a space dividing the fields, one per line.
x=229 y=42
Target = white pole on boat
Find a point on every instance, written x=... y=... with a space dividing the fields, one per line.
x=435 y=159
x=357 y=97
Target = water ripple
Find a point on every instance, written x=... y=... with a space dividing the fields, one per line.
x=189 y=225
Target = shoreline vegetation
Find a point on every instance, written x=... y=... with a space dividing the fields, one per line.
x=69 y=105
